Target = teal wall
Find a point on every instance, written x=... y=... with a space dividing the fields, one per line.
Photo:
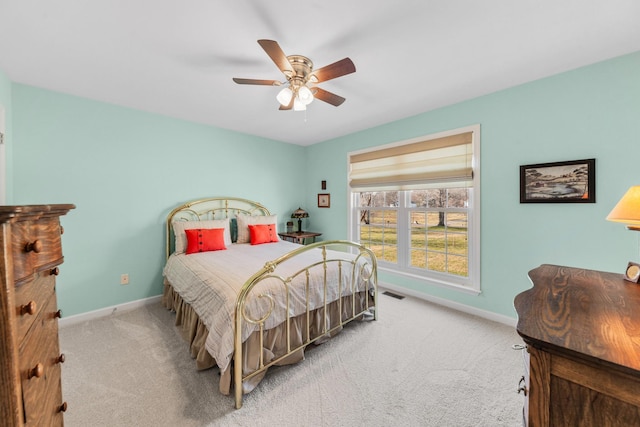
x=125 y=170
x=6 y=102
x=590 y=112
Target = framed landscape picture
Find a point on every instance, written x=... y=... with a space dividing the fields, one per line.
x=560 y=182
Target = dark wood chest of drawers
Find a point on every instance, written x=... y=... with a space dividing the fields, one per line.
x=582 y=330
x=30 y=372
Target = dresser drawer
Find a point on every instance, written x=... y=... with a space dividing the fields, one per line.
x=40 y=371
x=30 y=299
x=48 y=410
x=36 y=246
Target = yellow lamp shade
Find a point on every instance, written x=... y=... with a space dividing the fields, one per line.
x=627 y=211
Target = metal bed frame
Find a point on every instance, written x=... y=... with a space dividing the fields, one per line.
x=363 y=268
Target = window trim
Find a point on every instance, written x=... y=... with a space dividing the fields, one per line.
x=431 y=277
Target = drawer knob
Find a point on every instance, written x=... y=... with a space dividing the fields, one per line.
x=61 y=230
x=29 y=308
x=35 y=246
x=36 y=371
x=63 y=407
x=57 y=314
x=55 y=271
x=61 y=358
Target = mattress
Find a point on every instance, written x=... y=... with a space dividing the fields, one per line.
x=211 y=281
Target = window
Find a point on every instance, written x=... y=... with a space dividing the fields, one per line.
x=416 y=205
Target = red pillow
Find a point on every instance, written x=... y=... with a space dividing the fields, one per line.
x=262 y=233
x=205 y=239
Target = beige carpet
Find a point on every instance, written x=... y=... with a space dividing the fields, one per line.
x=418 y=365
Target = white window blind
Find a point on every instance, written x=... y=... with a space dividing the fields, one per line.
x=415 y=165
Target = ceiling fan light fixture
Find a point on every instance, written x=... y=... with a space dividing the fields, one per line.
x=284 y=96
x=298 y=105
x=305 y=96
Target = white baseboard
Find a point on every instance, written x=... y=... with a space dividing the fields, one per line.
x=107 y=311
x=500 y=318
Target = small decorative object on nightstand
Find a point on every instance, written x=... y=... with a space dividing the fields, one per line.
x=632 y=273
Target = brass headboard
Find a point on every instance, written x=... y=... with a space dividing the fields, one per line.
x=210 y=208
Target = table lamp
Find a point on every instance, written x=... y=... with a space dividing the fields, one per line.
x=299 y=213
x=627 y=211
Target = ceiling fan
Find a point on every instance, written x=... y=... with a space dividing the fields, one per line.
x=300 y=88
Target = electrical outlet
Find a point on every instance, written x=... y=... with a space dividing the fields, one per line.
x=124 y=279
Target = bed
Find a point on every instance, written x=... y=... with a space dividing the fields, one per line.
x=245 y=300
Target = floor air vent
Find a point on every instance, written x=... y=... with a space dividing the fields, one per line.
x=391 y=294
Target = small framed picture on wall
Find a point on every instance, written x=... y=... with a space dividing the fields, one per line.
x=324 y=200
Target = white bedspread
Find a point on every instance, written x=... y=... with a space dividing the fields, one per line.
x=210 y=283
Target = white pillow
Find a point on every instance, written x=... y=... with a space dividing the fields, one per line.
x=181 y=236
x=245 y=220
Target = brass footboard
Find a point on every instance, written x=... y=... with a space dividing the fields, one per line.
x=363 y=278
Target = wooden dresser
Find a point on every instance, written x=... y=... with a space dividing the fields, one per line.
x=582 y=331
x=30 y=253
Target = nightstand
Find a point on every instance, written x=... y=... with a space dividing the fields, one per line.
x=299 y=236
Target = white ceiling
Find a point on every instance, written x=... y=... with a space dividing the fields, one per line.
x=177 y=58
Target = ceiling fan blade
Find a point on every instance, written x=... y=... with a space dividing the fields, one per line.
x=337 y=69
x=277 y=56
x=256 y=82
x=328 y=97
